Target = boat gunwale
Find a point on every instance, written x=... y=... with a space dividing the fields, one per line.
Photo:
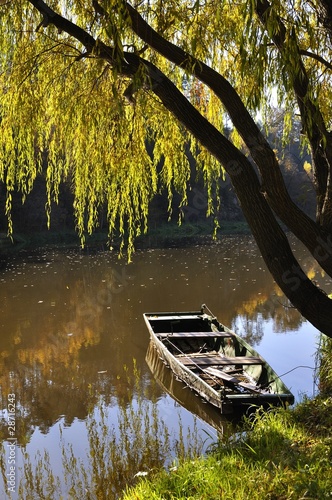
x=285 y=396
x=214 y=393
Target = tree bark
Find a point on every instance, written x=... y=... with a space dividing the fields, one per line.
x=312 y=119
x=325 y=15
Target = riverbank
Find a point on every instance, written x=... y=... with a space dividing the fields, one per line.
x=280 y=454
x=162 y=236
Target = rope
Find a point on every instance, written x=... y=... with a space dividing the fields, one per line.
x=289 y=371
x=211 y=377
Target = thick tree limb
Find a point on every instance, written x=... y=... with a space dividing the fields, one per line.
x=325 y=15
x=317 y=57
x=312 y=119
x=51 y=17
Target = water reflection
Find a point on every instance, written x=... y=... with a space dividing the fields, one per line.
x=185 y=397
x=70 y=321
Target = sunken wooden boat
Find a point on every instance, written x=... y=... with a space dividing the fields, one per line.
x=215 y=362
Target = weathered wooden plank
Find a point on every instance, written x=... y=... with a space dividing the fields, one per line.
x=172 y=317
x=206 y=359
x=231 y=379
x=194 y=334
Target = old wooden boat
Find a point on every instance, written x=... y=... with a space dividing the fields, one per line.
x=215 y=362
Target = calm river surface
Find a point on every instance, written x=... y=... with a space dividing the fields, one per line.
x=71 y=320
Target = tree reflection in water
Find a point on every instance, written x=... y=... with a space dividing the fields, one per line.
x=137 y=443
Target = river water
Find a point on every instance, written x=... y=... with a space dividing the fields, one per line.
x=71 y=320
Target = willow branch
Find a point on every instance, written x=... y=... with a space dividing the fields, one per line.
x=317 y=57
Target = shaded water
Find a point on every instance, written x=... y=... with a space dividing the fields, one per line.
x=71 y=320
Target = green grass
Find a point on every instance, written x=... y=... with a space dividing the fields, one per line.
x=276 y=455
x=187 y=233
x=167 y=234
x=325 y=366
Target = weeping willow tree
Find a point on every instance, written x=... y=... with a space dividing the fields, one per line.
x=86 y=85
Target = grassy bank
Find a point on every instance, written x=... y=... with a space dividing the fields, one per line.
x=172 y=234
x=162 y=236
x=280 y=454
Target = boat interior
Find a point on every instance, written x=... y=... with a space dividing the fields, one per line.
x=212 y=352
